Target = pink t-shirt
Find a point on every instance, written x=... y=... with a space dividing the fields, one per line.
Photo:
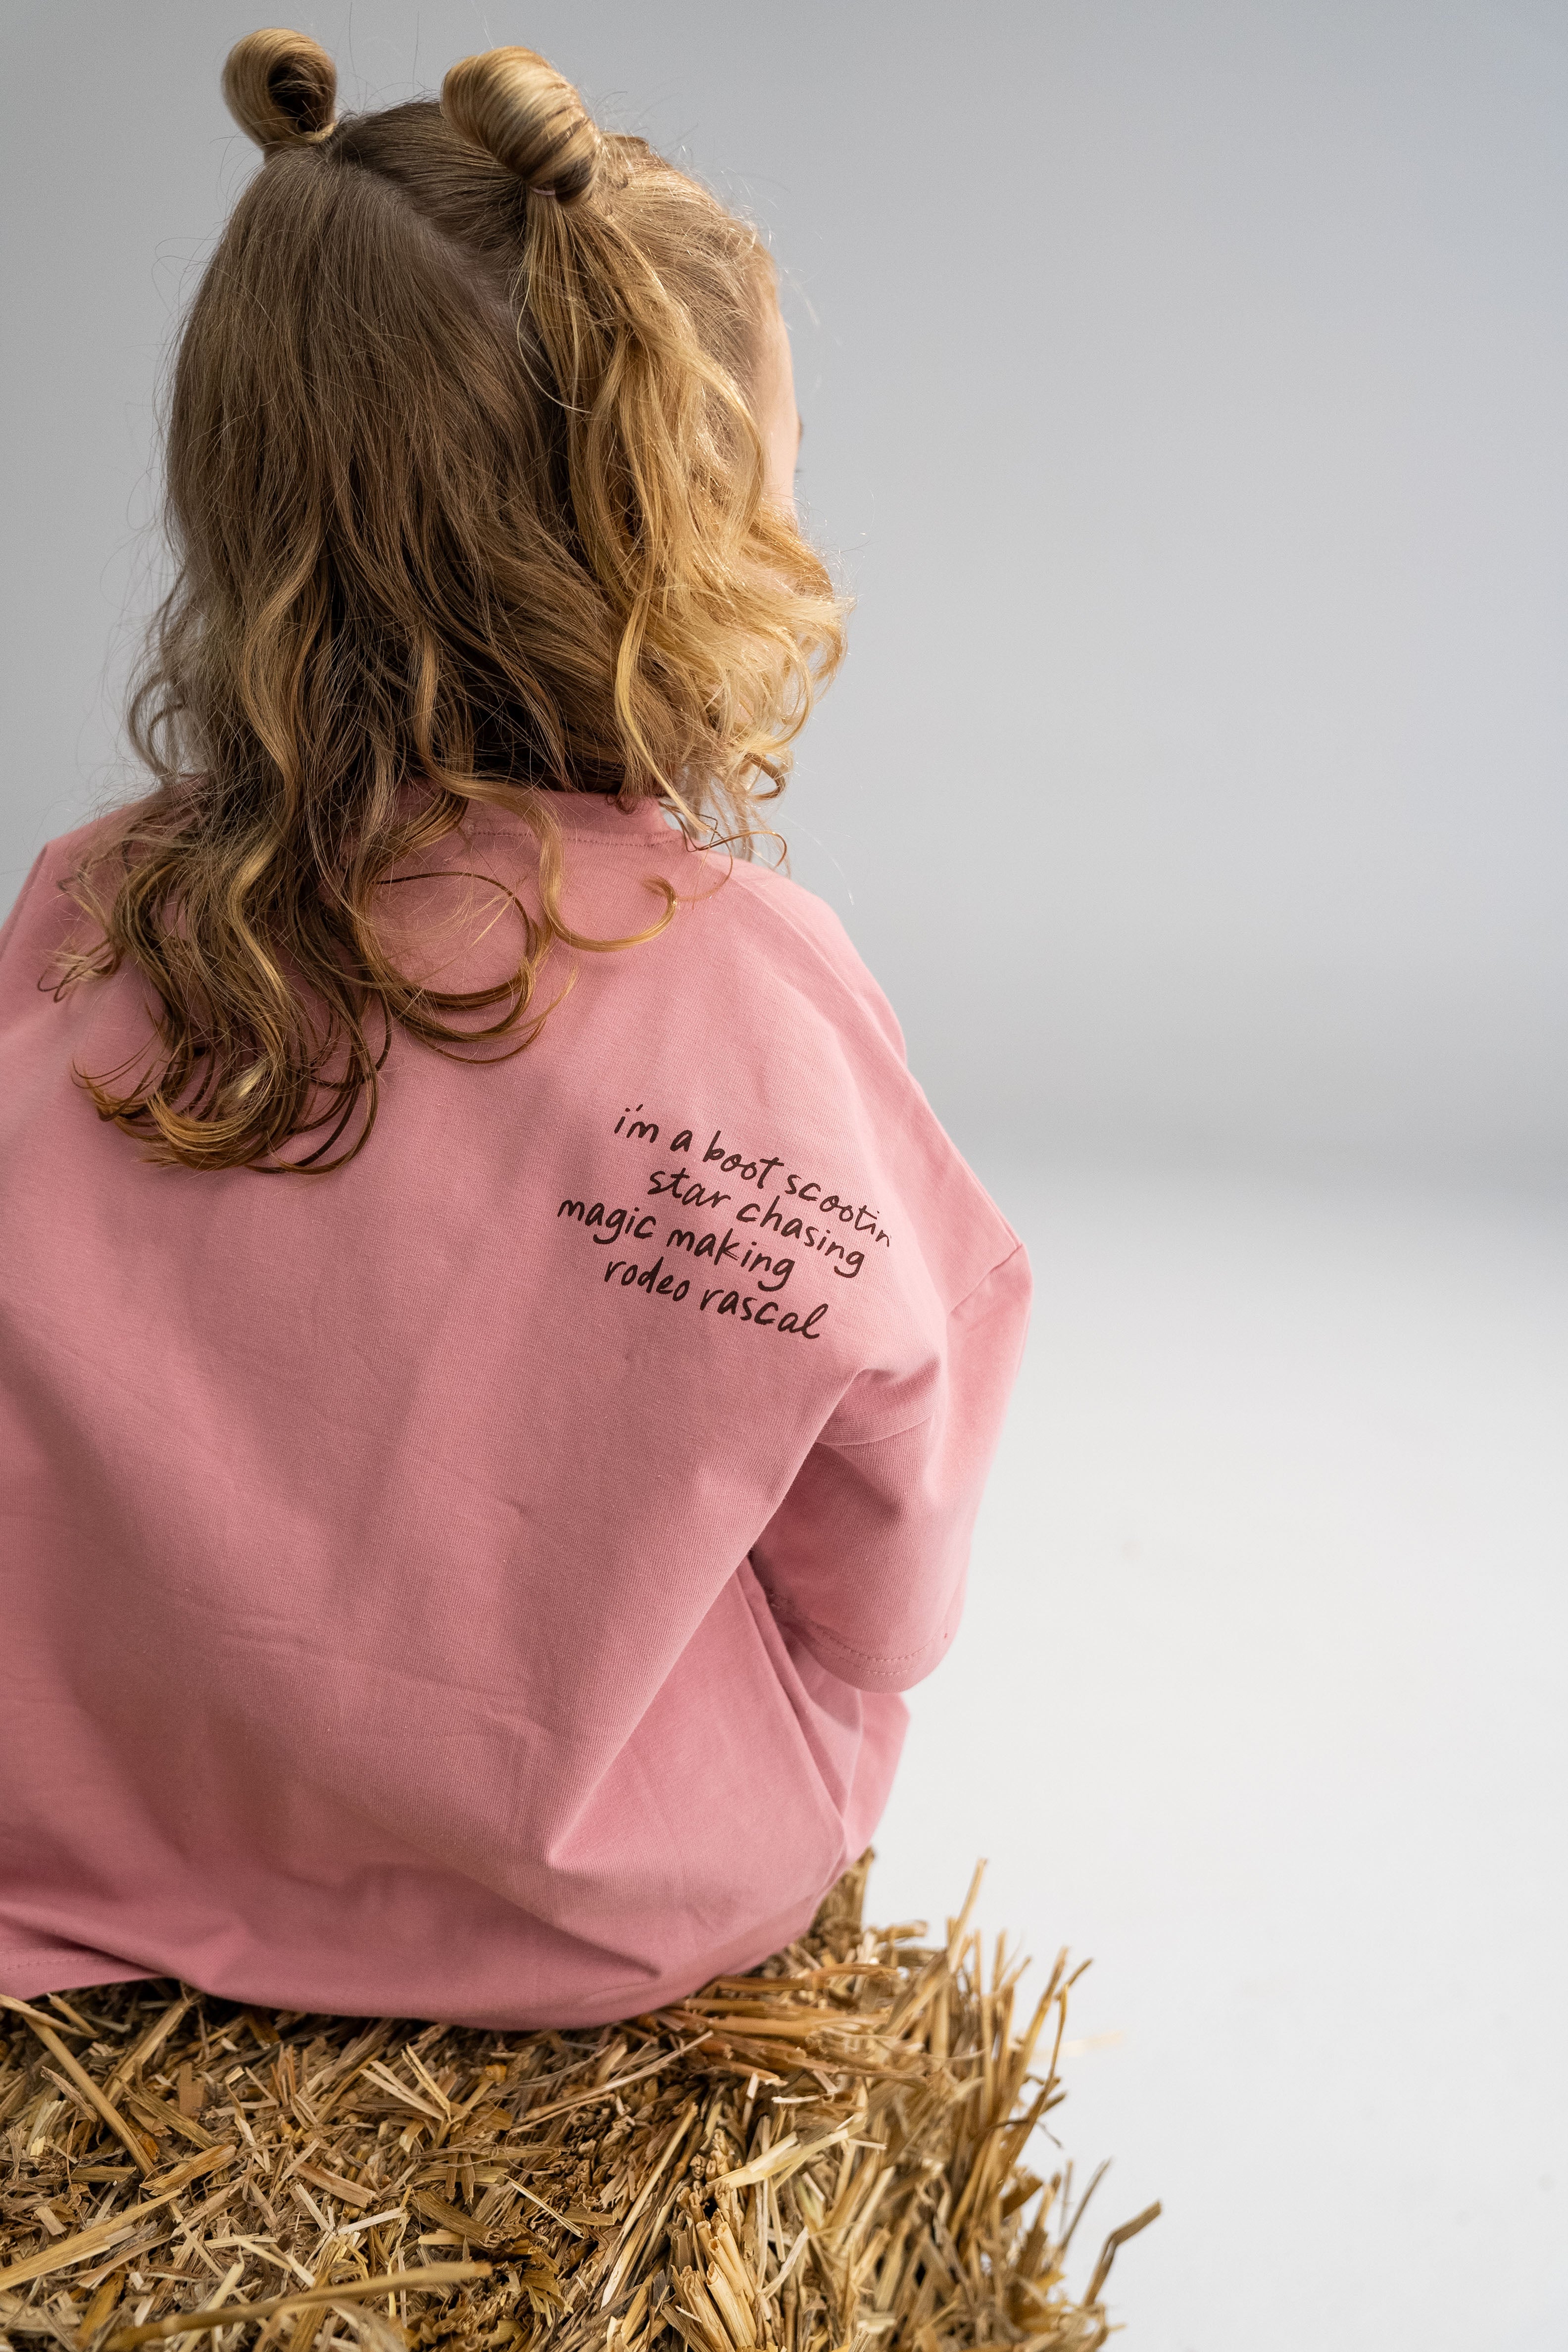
x=476 y=1584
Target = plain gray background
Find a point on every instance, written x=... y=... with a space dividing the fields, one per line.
x=1185 y=386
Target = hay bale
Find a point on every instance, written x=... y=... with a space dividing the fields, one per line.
x=827 y=2153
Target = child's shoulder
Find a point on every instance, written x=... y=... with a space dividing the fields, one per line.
x=805 y=929
x=40 y=904
x=856 y=1076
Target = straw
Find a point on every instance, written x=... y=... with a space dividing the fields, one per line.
x=829 y=2155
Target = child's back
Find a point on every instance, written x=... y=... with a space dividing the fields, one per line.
x=475 y=1581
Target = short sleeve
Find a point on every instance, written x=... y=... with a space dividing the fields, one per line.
x=867 y=1556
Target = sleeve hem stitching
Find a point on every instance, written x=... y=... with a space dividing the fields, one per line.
x=867 y=1657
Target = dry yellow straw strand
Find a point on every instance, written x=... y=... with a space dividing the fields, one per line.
x=83 y=2081
x=101 y=2235
x=235 y=2315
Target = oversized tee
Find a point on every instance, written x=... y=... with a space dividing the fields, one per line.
x=476 y=1582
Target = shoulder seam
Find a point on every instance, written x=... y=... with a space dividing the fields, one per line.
x=1005 y=1260
x=798 y=931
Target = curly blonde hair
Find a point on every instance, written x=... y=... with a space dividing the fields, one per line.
x=467 y=495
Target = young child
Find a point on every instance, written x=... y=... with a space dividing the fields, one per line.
x=497 y=1358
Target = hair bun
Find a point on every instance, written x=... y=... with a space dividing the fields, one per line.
x=281 y=88
x=514 y=105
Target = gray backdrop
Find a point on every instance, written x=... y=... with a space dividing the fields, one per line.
x=1184 y=383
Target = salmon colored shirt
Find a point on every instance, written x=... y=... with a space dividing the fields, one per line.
x=476 y=1584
